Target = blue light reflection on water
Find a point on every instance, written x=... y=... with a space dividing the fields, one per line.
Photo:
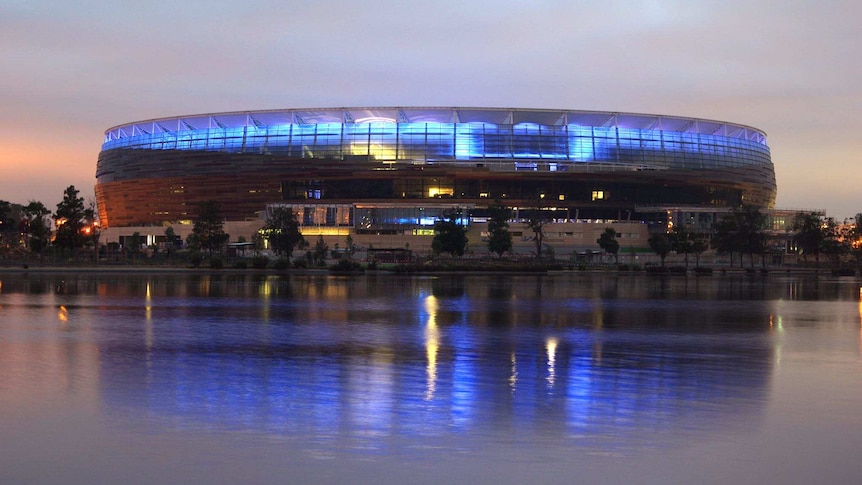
x=396 y=365
x=356 y=362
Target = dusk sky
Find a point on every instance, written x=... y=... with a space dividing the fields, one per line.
x=71 y=70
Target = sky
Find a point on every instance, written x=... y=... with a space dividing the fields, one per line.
x=71 y=70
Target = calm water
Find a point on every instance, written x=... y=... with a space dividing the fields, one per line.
x=576 y=378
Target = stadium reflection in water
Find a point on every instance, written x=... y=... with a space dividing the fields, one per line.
x=403 y=367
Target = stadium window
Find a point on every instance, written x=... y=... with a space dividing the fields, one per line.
x=599 y=195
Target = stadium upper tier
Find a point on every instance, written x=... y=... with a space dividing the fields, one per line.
x=157 y=170
x=429 y=134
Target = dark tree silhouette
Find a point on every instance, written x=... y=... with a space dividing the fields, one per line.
x=209 y=227
x=660 y=244
x=499 y=237
x=608 y=242
x=282 y=230
x=449 y=236
x=70 y=217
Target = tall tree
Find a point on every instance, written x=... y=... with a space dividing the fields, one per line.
x=282 y=230
x=682 y=241
x=537 y=222
x=449 y=236
x=11 y=217
x=725 y=238
x=660 y=244
x=743 y=231
x=8 y=226
x=170 y=238
x=37 y=231
x=349 y=247
x=320 y=250
x=835 y=243
x=91 y=230
x=698 y=247
x=751 y=223
x=209 y=227
x=499 y=237
x=71 y=218
x=608 y=242
x=808 y=234
x=854 y=236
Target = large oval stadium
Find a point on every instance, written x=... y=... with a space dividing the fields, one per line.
x=398 y=168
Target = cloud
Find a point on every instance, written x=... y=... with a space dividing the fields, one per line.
x=72 y=70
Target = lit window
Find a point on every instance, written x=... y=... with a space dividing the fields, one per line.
x=440 y=192
x=562 y=197
x=598 y=195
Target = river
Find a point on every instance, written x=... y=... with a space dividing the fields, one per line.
x=567 y=378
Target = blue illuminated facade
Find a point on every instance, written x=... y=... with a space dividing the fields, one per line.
x=441 y=142
x=595 y=162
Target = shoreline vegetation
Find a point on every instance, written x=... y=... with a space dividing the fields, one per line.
x=31 y=245
x=431 y=267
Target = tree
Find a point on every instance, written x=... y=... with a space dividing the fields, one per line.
x=449 y=236
x=536 y=223
x=36 y=230
x=349 y=247
x=608 y=242
x=257 y=240
x=209 y=227
x=682 y=241
x=808 y=234
x=91 y=230
x=835 y=243
x=9 y=219
x=133 y=244
x=752 y=223
x=660 y=244
x=5 y=213
x=170 y=240
x=725 y=238
x=282 y=230
x=71 y=219
x=499 y=237
x=742 y=230
x=170 y=237
x=320 y=250
x=698 y=247
x=854 y=235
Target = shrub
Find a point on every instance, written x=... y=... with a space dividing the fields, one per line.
x=240 y=264
x=196 y=259
x=216 y=263
x=346 y=265
x=653 y=269
x=282 y=264
x=259 y=262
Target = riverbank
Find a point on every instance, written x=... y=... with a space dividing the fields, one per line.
x=395 y=269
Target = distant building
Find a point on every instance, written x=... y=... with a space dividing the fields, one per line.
x=390 y=173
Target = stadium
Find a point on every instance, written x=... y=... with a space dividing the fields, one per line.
x=387 y=174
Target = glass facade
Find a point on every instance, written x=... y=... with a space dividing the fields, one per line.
x=526 y=144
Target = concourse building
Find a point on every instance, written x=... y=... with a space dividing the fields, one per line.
x=384 y=176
